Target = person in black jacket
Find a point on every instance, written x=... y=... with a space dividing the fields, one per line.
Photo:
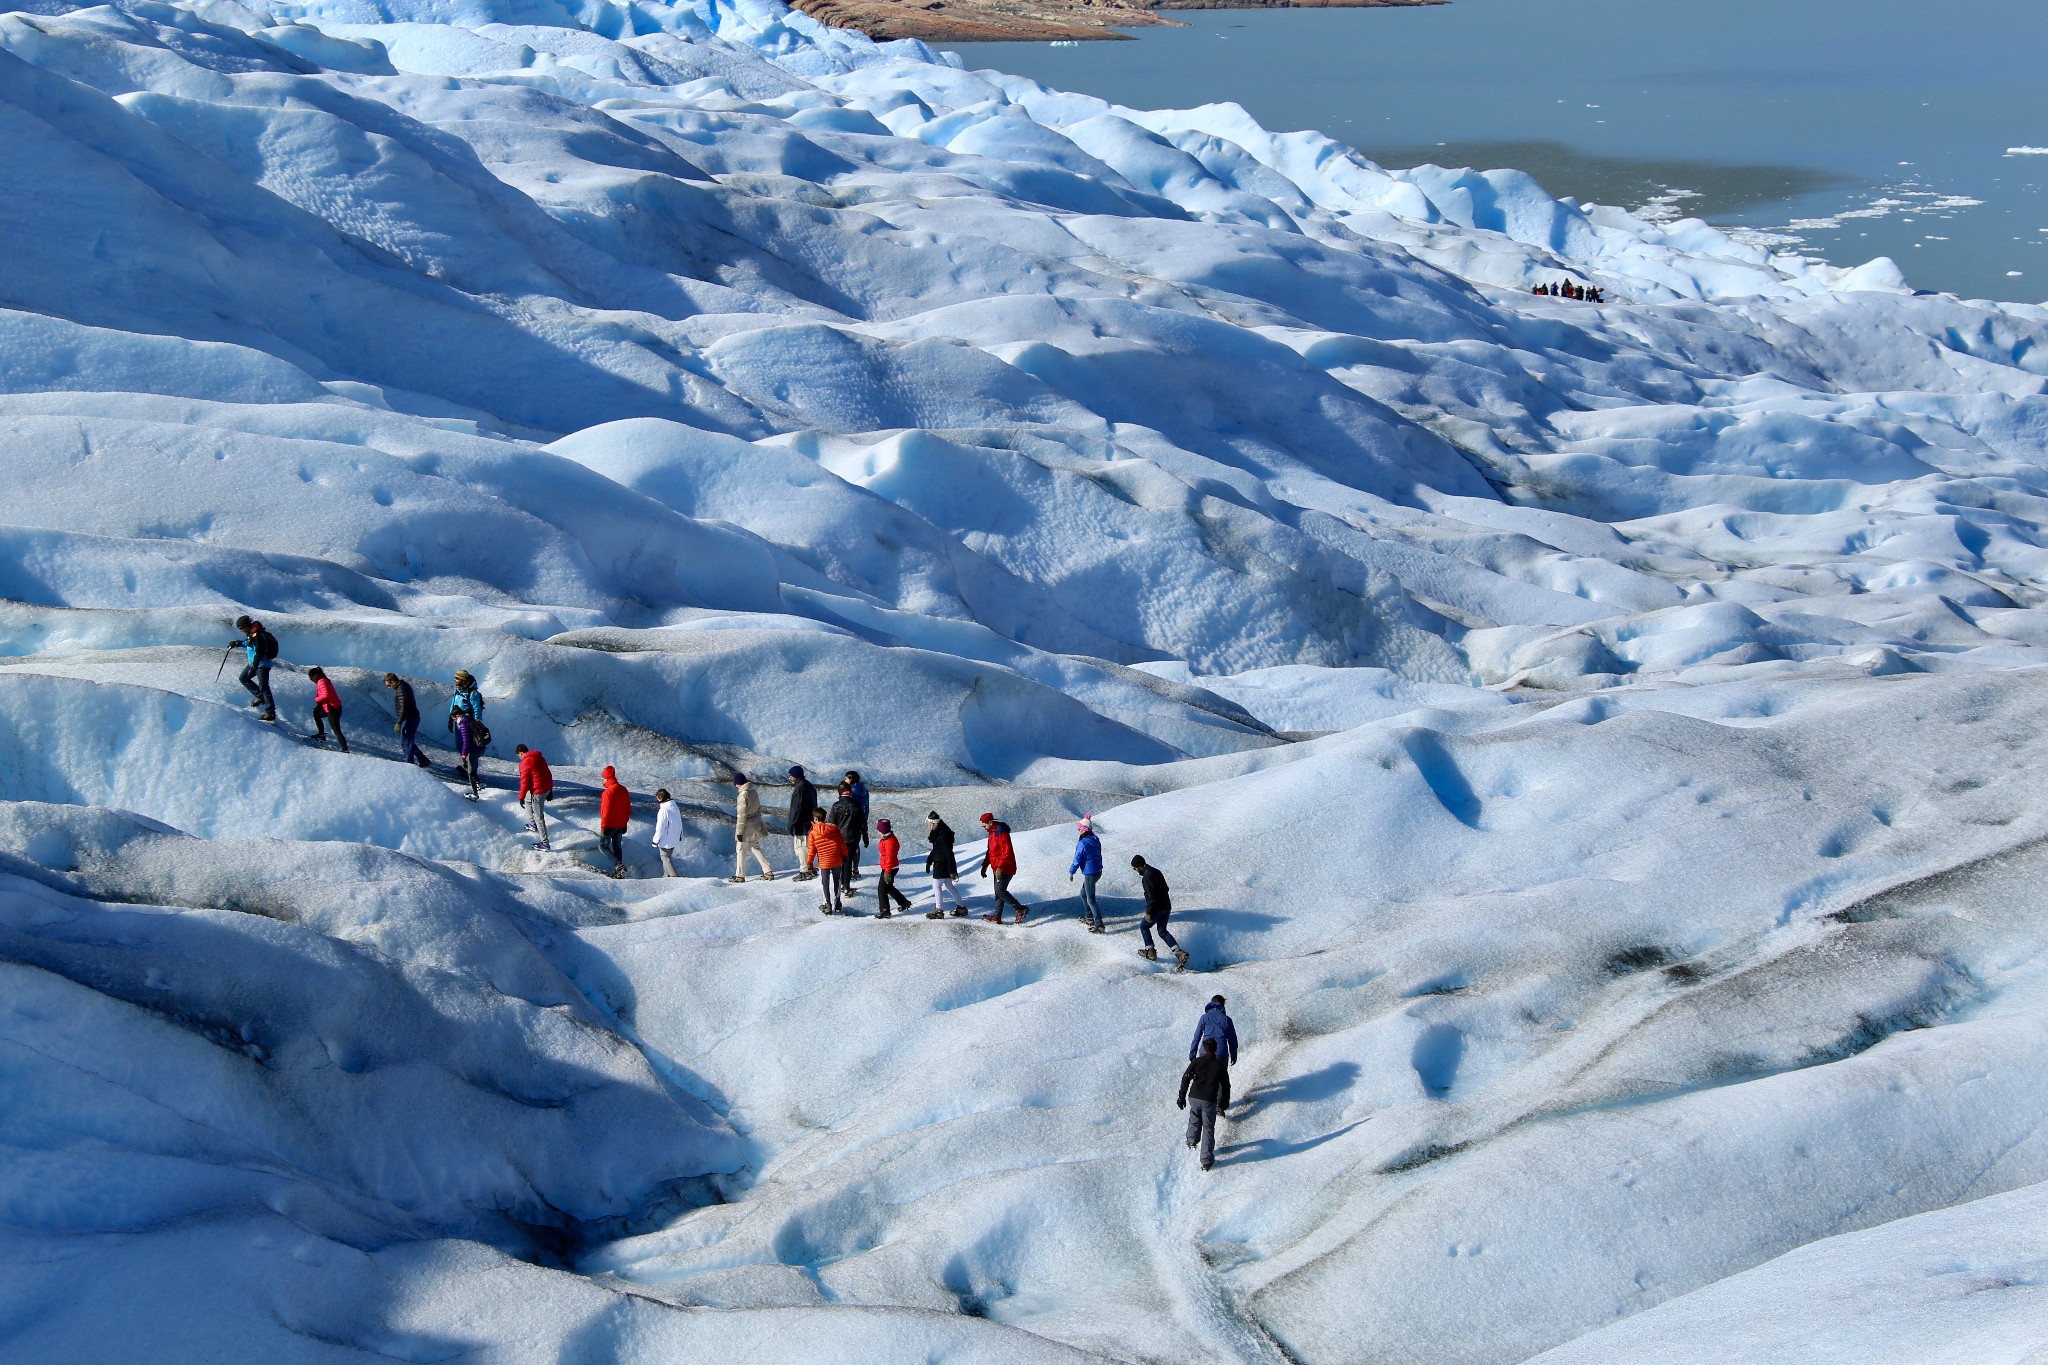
x=1158 y=907
x=943 y=868
x=1205 y=1093
x=408 y=720
x=852 y=819
x=803 y=809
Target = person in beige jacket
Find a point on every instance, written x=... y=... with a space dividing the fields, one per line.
x=748 y=830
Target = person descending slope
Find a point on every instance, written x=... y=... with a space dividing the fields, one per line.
x=466 y=719
x=853 y=786
x=748 y=830
x=326 y=708
x=407 y=718
x=944 y=871
x=851 y=818
x=827 y=852
x=803 y=809
x=1215 y=1025
x=1002 y=859
x=614 y=813
x=1088 y=862
x=536 y=785
x=1158 y=908
x=1204 y=1093
x=260 y=648
x=890 y=852
x=668 y=831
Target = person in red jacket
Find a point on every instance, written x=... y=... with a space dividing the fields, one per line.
x=536 y=785
x=326 y=708
x=614 y=813
x=1001 y=859
x=825 y=849
x=890 y=851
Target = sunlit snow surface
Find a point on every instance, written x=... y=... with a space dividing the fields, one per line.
x=1593 y=746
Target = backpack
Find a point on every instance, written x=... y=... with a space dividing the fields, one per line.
x=480 y=735
x=266 y=645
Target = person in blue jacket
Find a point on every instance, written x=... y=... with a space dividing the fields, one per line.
x=1215 y=1024
x=1088 y=862
x=260 y=646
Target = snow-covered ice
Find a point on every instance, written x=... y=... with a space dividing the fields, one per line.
x=1593 y=746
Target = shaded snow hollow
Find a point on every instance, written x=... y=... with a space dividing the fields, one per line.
x=1592 y=746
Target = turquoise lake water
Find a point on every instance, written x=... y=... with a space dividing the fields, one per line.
x=1845 y=129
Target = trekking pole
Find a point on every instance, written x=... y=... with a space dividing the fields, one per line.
x=224 y=656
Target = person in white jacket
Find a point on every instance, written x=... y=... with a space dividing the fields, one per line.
x=748 y=830
x=668 y=831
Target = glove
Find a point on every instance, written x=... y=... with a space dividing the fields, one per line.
x=1180 y=1104
x=1070 y=876
x=984 y=869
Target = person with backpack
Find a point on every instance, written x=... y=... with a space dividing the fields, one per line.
x=944 y=871
x=407 y=720
x=614 y=814
x=890 y=852
x=259 y=647
x=1215 y=1026
x=851 y=818
x=326 y=708
x=1204 y=1093
x=826 y=851
x=803 y=810
x=536 y=785
x=466 y=719
x=1000 y=858
x=1088 y=862
x=668 y=831
x=1158 y=908
x=858 y=789
x=748 y=830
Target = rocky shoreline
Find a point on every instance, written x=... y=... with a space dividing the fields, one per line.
x=970 y=21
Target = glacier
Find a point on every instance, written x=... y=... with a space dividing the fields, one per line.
x=1591 y=744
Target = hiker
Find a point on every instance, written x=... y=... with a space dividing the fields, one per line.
x=326 y=708
x=852 y=784
x=466 y=719
x=408 y=721
x=748 y=830
x=668 y=830
x=939 y=864
x=1215 y=1026
x=1002 y=859
x=803 y=809
x=890 y=852
x=260 y=647
x=1204 y=1093
x=1158 y=908
x=1088 y=862
x=614 y=813
x=826 y=851
x=851 y=819
x=536 y=785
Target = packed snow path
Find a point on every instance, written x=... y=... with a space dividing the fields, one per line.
x=1592 y=745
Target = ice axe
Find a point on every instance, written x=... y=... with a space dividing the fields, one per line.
x=226 y=654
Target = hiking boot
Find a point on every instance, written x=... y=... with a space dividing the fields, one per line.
x=1149 y=954
x=736 y=880
x=765 y=877
x=824 y=909
x=1207 y=1164
x=1180 y=957
x=959 y=912
x=1022 y=911
x=884 y=913
x=1096 y=929
x=1193 y=1143
x=934 y=914
x=541 y=846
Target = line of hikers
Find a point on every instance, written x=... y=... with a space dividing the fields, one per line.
x=1571 y=289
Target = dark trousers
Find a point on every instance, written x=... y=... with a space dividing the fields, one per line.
x=832 y=886
x=613 y=841
x=324 y=717
x=1202 y=1129
x=1156 y=918
x=1003 y=896
x=256 y=677
x=885 y=891
x=409 y=742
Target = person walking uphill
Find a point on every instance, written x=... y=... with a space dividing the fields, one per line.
x=943 y=870
x=407 y=720
x=668 y=831
x=748 y=830
x=1001 y=859
x=890 y=852
x=259 y=647
x=803 y=809
x=466 y=719
x=1158 y=908
x=614 y=813
x=827 y=852
x=1088 y=862
x=850 y=817
x=326 y=708
x=1204 y=1093
x=536 y=785
x=1215 y=1026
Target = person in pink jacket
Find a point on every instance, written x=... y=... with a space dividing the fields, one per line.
x=326 y=708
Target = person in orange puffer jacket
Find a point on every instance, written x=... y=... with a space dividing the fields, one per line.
x=826 y=851
x=890 y=851
x=614 y=813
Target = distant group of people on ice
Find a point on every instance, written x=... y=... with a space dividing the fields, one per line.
x=1571 y=289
